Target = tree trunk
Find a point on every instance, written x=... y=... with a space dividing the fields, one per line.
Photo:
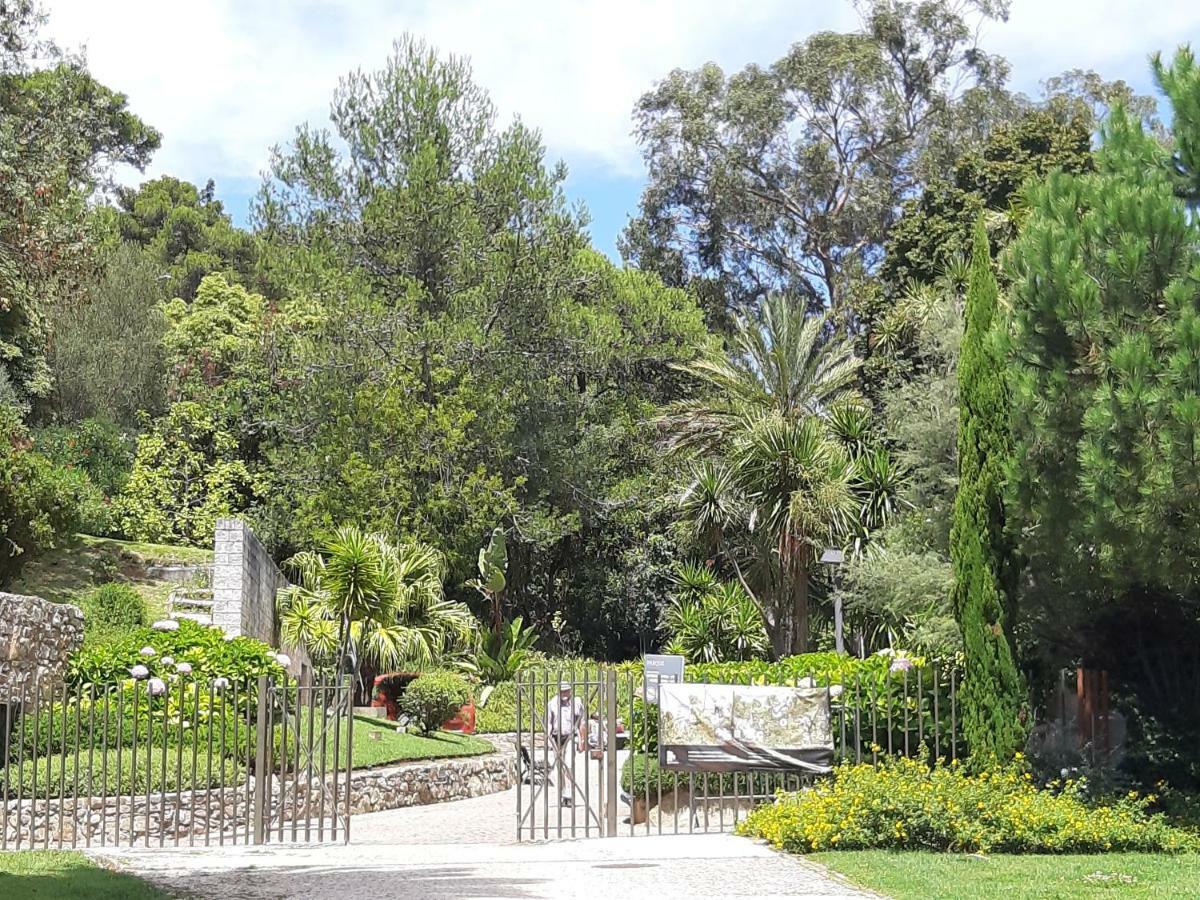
x=799 y=617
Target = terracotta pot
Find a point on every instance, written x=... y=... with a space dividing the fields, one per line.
x=637 y=815
x=464 y=721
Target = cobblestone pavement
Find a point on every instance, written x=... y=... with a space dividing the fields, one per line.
x=696 y=867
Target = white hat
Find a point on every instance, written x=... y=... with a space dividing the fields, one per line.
x=564 y=685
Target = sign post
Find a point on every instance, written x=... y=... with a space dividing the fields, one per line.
x=658 y=669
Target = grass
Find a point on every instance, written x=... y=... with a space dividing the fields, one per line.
x=390 y=747
x=62 y=574
x=948 y=876
x=395 y=746
x=47 y=874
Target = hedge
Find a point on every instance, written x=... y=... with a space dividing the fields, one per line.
x=82 y=779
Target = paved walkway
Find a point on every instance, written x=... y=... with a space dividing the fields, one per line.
x=696 y=867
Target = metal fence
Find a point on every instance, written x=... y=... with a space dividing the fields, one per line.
x=175 y=762
x=618 y=786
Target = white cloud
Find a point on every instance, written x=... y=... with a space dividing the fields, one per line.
x=224 y=80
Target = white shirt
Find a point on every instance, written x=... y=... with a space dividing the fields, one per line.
x=564 y=718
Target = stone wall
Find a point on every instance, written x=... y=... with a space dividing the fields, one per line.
x=244 y=582
x=36 y=639
x=226 y=813
x=415 y=784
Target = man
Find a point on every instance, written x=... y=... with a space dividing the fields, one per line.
x=566 y=729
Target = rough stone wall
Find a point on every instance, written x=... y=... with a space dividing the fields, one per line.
x=415 y=784
x=36 y=639
x=207 y=815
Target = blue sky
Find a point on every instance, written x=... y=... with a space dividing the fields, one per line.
x=224 y=80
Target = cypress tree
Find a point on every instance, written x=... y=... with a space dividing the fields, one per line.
x=993 y=693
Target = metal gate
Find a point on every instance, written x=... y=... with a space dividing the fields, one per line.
x=617 y=786
x=179 y=762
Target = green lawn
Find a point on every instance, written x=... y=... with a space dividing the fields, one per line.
x=391 y=745
x=396 y=746
x=62 y=574
x=59 y=874
x=948 y=876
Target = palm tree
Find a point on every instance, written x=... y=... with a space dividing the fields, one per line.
x=786 y=460
x=787 y=364
x=364 y=598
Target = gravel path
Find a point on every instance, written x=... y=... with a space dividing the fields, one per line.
x=696 y=867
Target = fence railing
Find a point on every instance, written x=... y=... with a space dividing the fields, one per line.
x=183 y=761
x=620 y=787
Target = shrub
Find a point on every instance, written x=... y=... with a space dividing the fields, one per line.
x=432 y=699
x=642 y=776
x=710 y=621
x=82 y=778
x=905 y=805
x=182 y=716
x=101 y=449
x=502 y=655
x=204 y=648
x=113 y=606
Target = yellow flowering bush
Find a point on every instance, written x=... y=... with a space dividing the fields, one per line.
x=903 y=804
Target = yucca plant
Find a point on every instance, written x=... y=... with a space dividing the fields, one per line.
x=711 y=621
x=361 y=597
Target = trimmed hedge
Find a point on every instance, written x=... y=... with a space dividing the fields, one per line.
x=84 y=780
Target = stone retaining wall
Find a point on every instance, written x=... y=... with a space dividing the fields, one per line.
x=193 y=816
x=415 y=784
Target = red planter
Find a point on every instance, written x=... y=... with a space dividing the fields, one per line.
x=388 y=689
x=464 y=722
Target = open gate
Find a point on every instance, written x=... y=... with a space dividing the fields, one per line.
x=619 y=785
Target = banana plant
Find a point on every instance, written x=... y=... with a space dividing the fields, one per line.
x=493 y=569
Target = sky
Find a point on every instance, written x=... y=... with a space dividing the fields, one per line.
x=225 y=80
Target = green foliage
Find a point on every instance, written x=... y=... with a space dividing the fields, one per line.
x=493 y=566
x=381 y=602
x=137 y=768
x=503 y=654
x=61 y=131
x=906 y=595
x=39 y=502
x=788 y=177
x=784 y=461
x=993 y=697
x=187 y=473
x=499 y=714
x=643 y=777
x=473 y=361
x=204 y=648
x=434 y=698
x=99 y=448
x=111 y=610
x=713 y=622
x=105 y=357
x=1105 y=369
x=905 y=805
x=935 y=229
x=184 y=231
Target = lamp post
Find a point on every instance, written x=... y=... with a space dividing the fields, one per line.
x=834 y=557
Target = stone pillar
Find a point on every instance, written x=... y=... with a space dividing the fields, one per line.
x=244 y=582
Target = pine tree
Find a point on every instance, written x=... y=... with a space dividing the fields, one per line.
x=993 y=693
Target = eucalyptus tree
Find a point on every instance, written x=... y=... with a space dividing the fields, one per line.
x=788 y=177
